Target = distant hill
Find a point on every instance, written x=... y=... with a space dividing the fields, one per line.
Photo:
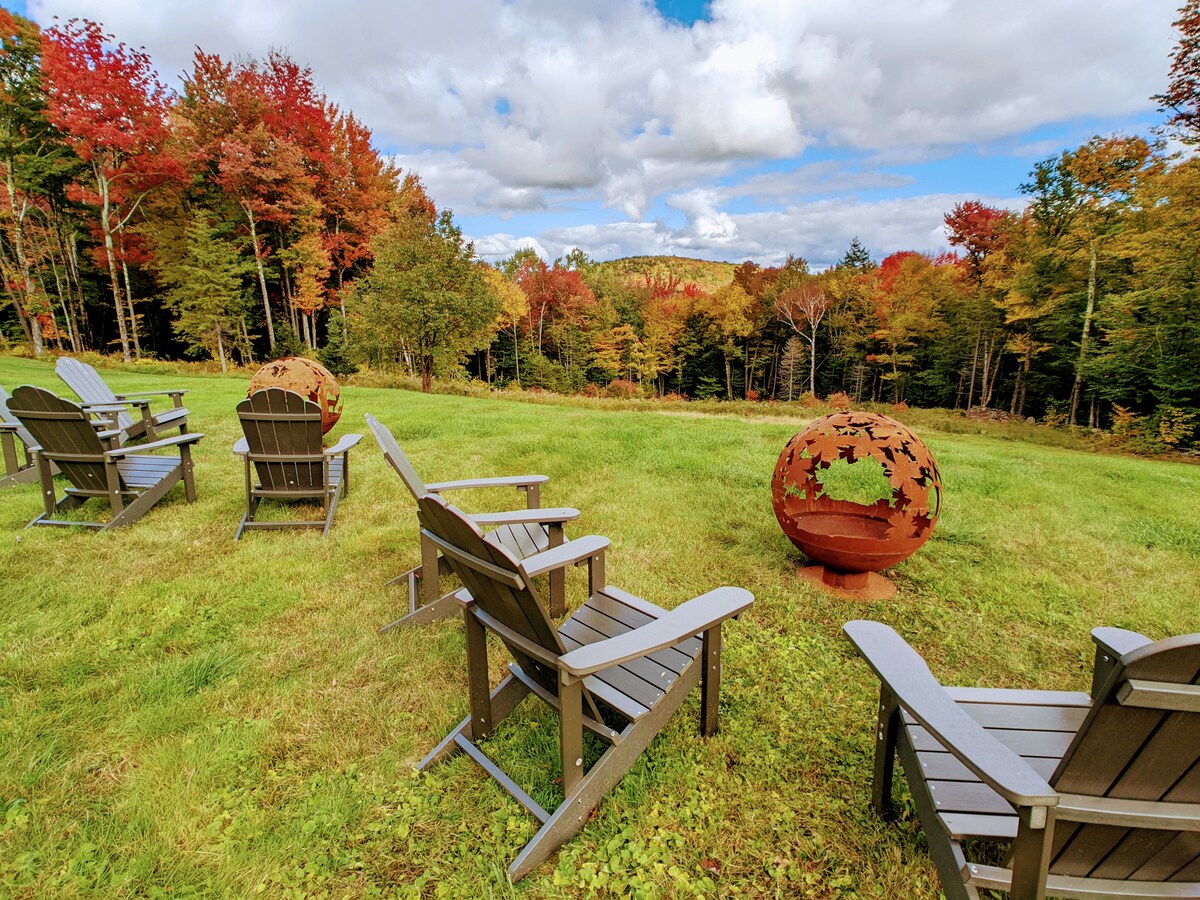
x=707 y=275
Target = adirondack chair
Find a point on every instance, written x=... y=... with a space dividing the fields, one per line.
x=130 y=478
x=16 y=471
x=617 y=668
x=99 y=399
x=521 y=532
x=1098 y=795
x=283 y=442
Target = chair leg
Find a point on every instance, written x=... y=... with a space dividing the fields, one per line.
x=568 y=820
x=504 y=700
x=189 y=480
x=570 y=731
x=331 y=502
x=710 y=681
x=885 y=753
x=248 y=517
x=477 y=676
x=431 y=579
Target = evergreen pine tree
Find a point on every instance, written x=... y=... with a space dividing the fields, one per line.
x=857 y=257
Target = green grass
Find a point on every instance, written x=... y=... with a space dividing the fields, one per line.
x=182 y=715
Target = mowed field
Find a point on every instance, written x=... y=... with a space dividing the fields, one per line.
x=185 y=715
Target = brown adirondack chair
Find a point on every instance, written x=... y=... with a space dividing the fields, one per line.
x=283 y=443
x=617 y=668
x=1096 y=795
x=16 y=469
x=130 y=478
x=521 y=532
x=98 y=398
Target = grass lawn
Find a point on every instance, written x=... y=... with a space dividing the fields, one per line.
x=182 y=715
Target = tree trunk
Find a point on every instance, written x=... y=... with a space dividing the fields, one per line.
x=426 y=373
x=221 y=349
x=516 y=353
x=974 y=364
x=262 y=278
x=1077 y=387
x=137 y=346
x=728 y=378
x=72 y=258
x=18 y=233
x=110 y=253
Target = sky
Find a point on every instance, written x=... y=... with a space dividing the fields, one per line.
x=728 y=130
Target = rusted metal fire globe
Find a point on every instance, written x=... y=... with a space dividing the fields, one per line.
x=845 y=537
x=308 y=379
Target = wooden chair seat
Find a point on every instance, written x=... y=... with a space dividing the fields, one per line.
x=635 y=686
x=1036 y=725
x=1095 y=795
x=522 y=533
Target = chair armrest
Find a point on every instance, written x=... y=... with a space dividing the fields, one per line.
x=178 y=393
x=103 y=407
x=526 y=516
x=241 y=446
x=1116 y=642
x=344 y=445
x=116 y=407
x=1111 y=645
x=902 y=670
x=565 y=554
x=176 y=441
x=696 y=615
x=9 y=427
x=516 y=481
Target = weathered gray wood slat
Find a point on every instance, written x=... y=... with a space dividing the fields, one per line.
x=670 y=658
x=1127 y=821
x=967 y=696
x=1022 y=718
x=631 y=687
x=1024 y=743
x=967 y=826
x=944 y=767
x=646 y=668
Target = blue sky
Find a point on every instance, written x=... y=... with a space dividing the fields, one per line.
x=736 y=129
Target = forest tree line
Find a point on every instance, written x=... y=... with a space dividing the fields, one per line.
x=247 y=217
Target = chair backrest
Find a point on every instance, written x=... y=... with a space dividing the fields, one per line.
x=493 y=577
x=6 y=415
x=284 y=425
x=60 y=427
x=89 y=386
x=1140 y=741
x=396 y=457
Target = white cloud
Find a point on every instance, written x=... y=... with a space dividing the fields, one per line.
x=514 y=106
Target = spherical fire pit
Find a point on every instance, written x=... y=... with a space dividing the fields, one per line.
x=306 y=378
x=852 y=542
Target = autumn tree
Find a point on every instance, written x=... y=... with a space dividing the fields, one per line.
x=107 y=101
x=802 y=308
x=979 y=230
x=31 y=154
x=1182 y=97
x=730 y=311
x=513 y=307
x=426 y=296
x=1077 y=201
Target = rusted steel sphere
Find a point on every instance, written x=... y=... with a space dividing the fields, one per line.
x=308 y=379
x=841 y=534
